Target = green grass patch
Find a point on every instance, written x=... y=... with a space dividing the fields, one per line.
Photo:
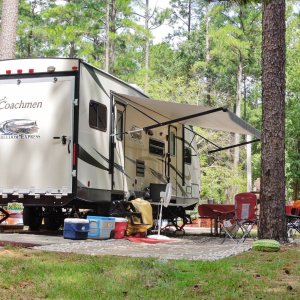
x=30 y=274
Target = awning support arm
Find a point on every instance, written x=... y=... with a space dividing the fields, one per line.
x=233 y=146
x=211 y=111
x=137 y=109
x=196 y=133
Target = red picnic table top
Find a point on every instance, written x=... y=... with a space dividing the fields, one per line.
x=212 y=211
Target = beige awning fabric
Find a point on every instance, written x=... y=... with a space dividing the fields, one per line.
x=217 y=119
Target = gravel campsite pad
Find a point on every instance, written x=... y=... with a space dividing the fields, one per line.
x=191 y=248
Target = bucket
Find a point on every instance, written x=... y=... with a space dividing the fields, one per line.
x=120 y=228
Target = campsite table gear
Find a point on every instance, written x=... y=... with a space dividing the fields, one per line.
x=120 y=228
x=101 y=227
x=76 y=229
x=210 y=211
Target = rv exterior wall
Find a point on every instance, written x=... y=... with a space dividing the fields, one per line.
x=32 y=112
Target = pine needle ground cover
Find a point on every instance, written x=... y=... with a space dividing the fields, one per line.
x=27 y=274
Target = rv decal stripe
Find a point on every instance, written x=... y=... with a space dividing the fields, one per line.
x=117 y=166
x=174 y=169
x=131 y=160
x=95 y=77
x=86 y=157
x=159 y=176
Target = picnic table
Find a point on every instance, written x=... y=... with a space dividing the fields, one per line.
x=212 y=212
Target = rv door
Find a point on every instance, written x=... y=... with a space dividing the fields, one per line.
x=36 y=143
x=172 y=157
x=119 y=151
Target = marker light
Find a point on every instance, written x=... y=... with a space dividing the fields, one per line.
x=8 y=71
x=74 y=68
x=19 y=71
x=74 y=155
x=31 y=70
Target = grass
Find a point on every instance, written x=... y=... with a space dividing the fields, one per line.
x=28 y=274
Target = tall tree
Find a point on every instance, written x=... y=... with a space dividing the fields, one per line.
x=272 y=223
x=8 y=34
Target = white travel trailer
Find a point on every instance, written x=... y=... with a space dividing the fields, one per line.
x=73 y=136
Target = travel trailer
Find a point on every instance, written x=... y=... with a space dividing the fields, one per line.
x=74 y=137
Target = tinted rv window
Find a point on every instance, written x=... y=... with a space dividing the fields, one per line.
x=172 y=144
x=98 y=116
x=187 y=155
x=119 y=127
x=156 y=147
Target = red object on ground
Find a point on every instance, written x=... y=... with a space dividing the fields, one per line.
x=146 y=240
x=208 y=210
x=120 y=228
x=212 y=212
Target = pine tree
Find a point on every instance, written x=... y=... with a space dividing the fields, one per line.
x=9 y=21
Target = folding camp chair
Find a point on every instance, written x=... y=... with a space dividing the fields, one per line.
x=293 y=222
x=244 y=217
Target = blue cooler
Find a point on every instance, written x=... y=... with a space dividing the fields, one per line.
x=101 y=227
x=76 y=229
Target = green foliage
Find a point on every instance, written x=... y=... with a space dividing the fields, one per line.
x=292 y=105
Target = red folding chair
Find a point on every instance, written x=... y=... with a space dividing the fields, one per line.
x=244 y=217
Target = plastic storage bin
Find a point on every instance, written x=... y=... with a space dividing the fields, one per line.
x=76 y=229
x=120 y=228
x=101 y=227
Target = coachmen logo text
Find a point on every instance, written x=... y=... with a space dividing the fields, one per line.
x=19 y=129
x=4 y=104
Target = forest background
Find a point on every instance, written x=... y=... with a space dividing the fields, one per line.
x=212 y=57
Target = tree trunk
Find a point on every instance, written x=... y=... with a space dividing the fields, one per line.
x=147 y=45
x=189 y=17
x=207 y=58
x=236 y=156
x=249 y=166
x=107 y=40
x=113 y=30
x=9 y=20
x=272 y=223
x=72 y=52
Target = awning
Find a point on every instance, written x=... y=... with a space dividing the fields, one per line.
x=194 y=115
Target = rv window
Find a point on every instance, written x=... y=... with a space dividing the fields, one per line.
x=187 y=155
x=172 y=144
x=119 y=127
x=98 y=116
x=156 y=147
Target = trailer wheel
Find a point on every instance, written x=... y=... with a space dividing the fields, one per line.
x=32 y=217
x=52 y=223
x=53 y=218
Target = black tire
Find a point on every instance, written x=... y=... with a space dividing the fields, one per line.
x=32 y=217
x=53 y=218
x=52 y=223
